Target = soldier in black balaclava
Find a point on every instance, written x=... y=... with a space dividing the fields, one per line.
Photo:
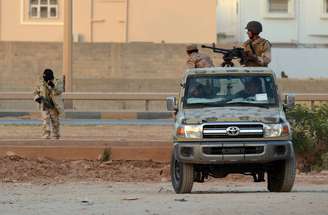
x=48 y=96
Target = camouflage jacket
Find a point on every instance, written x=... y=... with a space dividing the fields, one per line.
x=262 y=49
x=199 y=60
x=51 y=94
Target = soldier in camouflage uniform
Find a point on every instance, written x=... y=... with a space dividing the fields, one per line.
x=196 y=59
x=257 y=49
x=48 y=95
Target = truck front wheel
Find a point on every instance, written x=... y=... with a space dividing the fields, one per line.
x=281 y=177
x=182 y=176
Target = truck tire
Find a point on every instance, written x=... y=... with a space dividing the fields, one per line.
x=182 y=176
x=282 y=176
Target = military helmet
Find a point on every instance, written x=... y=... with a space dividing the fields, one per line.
x=192 y=47
x=254 y=27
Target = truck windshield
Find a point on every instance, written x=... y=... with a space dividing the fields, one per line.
x=218 y=91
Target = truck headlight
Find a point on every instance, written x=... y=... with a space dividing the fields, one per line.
x=276 y=130
x=190 y=131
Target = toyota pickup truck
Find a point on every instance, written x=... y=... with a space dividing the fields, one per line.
x=231 y=121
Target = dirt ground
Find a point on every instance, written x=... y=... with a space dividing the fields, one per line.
x=14 y=169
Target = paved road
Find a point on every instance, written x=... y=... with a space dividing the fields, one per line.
x=91 y=122
x=158 y=198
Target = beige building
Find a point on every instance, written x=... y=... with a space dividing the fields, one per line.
x=171 y=21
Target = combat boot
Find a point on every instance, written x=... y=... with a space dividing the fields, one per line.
x=46 y=135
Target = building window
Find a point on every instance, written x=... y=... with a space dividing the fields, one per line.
x=278 y=6
x=326 y=6
x=44 y=9
x=279 y=9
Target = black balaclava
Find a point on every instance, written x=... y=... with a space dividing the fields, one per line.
x=48 y=75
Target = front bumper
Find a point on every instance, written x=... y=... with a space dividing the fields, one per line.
x=233 y=152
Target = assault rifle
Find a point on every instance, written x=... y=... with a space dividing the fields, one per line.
x=229 y=55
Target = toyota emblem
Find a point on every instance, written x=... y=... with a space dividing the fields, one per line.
x=233 y=131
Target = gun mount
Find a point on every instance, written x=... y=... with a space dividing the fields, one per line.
x=228 y=54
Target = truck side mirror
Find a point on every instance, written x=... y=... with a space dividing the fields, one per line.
x=171 y=103
x=289 y=100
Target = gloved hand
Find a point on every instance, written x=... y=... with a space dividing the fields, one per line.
x=51 y=84
x=38 y=99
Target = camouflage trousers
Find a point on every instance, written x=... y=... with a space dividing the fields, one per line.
x=50 y=120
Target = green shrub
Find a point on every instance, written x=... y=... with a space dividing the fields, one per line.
x=310 y=132
x=106 y=155
x=301 y=120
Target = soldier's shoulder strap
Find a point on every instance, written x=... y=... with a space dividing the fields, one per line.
x=250 y=44
x=252 y=47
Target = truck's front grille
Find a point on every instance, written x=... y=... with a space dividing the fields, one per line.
x=218 y=150
x=233 y=130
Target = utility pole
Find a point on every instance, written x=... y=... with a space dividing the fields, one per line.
x=67 y=45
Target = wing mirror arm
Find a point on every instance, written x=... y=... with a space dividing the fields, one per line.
x=171 y=104
x=289 y=101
